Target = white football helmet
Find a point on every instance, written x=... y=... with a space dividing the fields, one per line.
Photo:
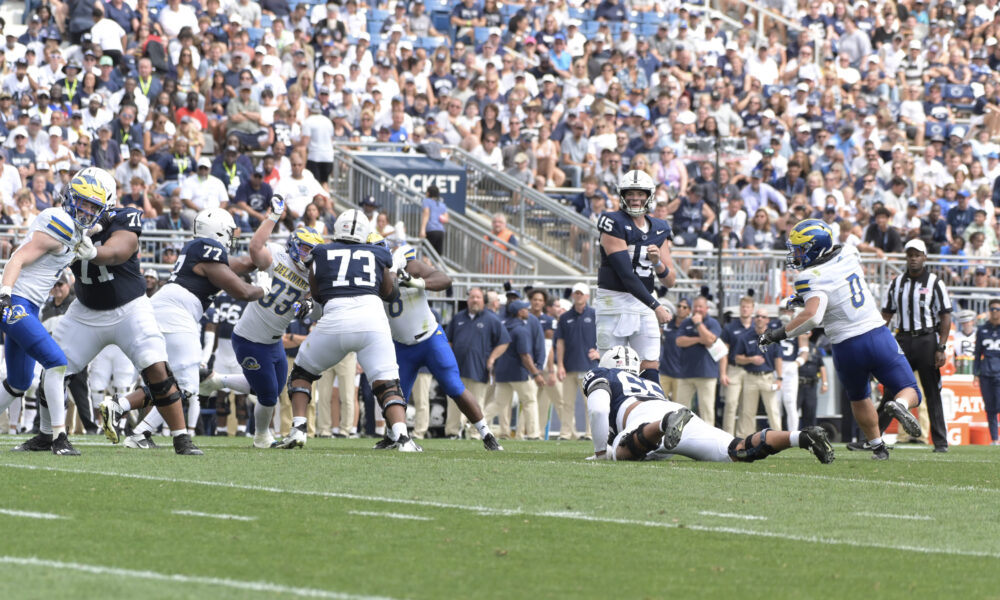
x=216 y=224
x=352 y=226
x=637 y=180
x=621 y=357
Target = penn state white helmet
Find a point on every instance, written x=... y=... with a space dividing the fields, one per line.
x=215 y=224
x=352 y=226
x=637 y=180
x=621 y=357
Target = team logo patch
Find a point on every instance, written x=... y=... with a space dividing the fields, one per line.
x=250 y=364
x=14 y=314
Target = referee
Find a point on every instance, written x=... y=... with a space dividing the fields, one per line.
x=924 y=308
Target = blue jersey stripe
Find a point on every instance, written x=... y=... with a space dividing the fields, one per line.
x=68 y=228
x=59 y=231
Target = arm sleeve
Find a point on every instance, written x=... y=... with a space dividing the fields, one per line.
x=598 y=393
x=622 y=265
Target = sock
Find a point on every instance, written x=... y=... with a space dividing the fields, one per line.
x=124 y=403
x=58 y=430
x=299 y=422
x=6 y=398
x=241 y=428
x=152 y=422
x=398 y=429
x=194 y=411
x=335 y=430
x=15 y=415
x=262 y=416
x=96 y=398
x=235 y=383
x=874 y=443
x=177 y=432
x=55 y=396
x=380 y=429
x=482 y=427
x=793 y=438
x=44 y=422
x=30 y=410
x=223 y=429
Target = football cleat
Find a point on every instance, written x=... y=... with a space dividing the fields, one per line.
x=210 y=384
x=490 y=442
x=907 y=421
x=296 y=438
x=406 y=444
x=814 y=440
x=263 y=440
x=880 y=452
x=140 y=441
x=62 y=447
x=856 y=446
x=384 y=444
x=40 y=443
x=672 y=426
x=183 y=445
x=221 y=433
x=111 y=413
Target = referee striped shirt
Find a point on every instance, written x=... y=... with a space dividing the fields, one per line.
x=919 y=301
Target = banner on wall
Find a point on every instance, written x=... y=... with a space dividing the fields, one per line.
x=419 y=172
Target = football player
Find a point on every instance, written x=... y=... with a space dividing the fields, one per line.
x=635 y=250
x=257 y=335
x=52 y=243
x=644 y=425
x=201 y=270
x=350 y=278
x=420 y=341
x=218 y=341
x=831 y=285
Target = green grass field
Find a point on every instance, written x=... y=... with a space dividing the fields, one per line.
x=338 y=520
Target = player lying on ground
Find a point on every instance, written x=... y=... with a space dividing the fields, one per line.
x=832 y=286
x=644 y=425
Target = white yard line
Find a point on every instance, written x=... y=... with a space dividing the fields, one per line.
x=225 y=517
x=253 y=586
x=485 y=510
x=29 y=514
x=889 y=516
x=389 y=515
x=709 y=513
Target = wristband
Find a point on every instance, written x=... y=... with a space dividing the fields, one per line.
x=274 y=217
x=778 y=378
x=6 y=290
x=941 y=347
x=666 y=270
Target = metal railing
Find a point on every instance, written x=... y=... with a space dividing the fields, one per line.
x=468 y=245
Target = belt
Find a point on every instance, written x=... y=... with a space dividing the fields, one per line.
x=916 y=333
x=808 y=380
x=760 y=373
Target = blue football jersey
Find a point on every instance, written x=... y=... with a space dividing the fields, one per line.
x=624 y=385
x=101 y=287
x=344 y=270
x=789 y=349
x=227 y=313
x=620 y=225
x=196 y=251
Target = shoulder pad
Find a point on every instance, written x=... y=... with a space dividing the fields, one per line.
x=56 y=223
x=206 y=250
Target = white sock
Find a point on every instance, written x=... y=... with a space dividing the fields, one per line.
x=14 y=415
x=44 y=422
x=241 y=428
x=262 y=415
x=235 y=383
x=299 y=422
x=152 y=422
x=875 y=442
x=58 y=430
x=482 y=427
x=398 y=429
x=124 y=404
x=177 y=432
x=55 y=397
x=380 y=429
x=793 y=438
x=335 y=430
x=194 y=411
x=224 y=429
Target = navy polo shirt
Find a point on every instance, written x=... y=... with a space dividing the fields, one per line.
x=747 y=345
x=508 y=367
x=670 y=352
x=730 y=333
x=578 y=331
x=473 y=338
x=297 y=327
x=695 y=360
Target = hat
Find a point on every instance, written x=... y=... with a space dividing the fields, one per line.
x=981 y=270
x=96 y=98
x=35 y=119
x=686 y=118
x=272 y=61
x=55 y=130
x=916 y=45
x=531 y=40
x=136 y=148
x=548 y=78
x=106 y=61
x=802 y=87
x=246 y=87
x=42 y=165
x=581 y=287
x=520 y=157
x=993 y=155
x=913 y=204
x=397 y=28
x=804 y=129
x=232 y=149
x=369 y=201
x=21 y=62
x=756 y=174
x=916 y=244
x=151 y=273
x=768 y=113
x=958 y=131
x=964 y=316
x=870 y=120
x=204 y=162
x=517 y=305
x=496 y=31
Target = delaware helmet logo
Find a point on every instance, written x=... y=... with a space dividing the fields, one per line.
x=14 y=314
x=250 y=364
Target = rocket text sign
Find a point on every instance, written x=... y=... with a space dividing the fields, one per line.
x=419 y=172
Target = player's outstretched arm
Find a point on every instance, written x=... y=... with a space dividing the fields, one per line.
x=117 y=249
x=224 y=277
x=434 y=280
x=259 y=253
x=37 y=247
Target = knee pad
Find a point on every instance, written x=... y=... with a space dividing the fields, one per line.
x=638 y=444
x=300 y=373
x=11 y=390
x=160 y=394
x=751 y=453
x=388 y=394
x=222 y=404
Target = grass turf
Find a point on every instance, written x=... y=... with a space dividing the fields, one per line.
x=338 y=519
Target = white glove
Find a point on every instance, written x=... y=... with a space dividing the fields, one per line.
x=85 y=250
x=263 y=281
x=413 y=282
x=277 y=208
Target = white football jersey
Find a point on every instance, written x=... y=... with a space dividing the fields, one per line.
x=410 y=317
x=965 y=345
x=265 y=321
x=36 y=280
x=852 y=308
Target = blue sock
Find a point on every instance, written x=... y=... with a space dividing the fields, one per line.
x=651 y=374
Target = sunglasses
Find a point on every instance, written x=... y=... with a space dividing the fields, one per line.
x=995 y=309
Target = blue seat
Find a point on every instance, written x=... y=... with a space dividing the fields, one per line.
x=378 y=16
x=482 y=34
x=256 y=35
x=960 y=96
x=932 y=130
x=648 y=29
x=442 y=21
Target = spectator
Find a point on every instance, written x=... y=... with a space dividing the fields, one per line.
x=317 y=139
x=299 y=189
x=253 y=197
x=244 y=118
x=132 y=168
x=433 y=218
x=202 y=190
x=881 y=236
x=575 y=354
x=503 y=239
x=700 y=371
x=515 y=372
x=959 y=217
x=174 y=218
